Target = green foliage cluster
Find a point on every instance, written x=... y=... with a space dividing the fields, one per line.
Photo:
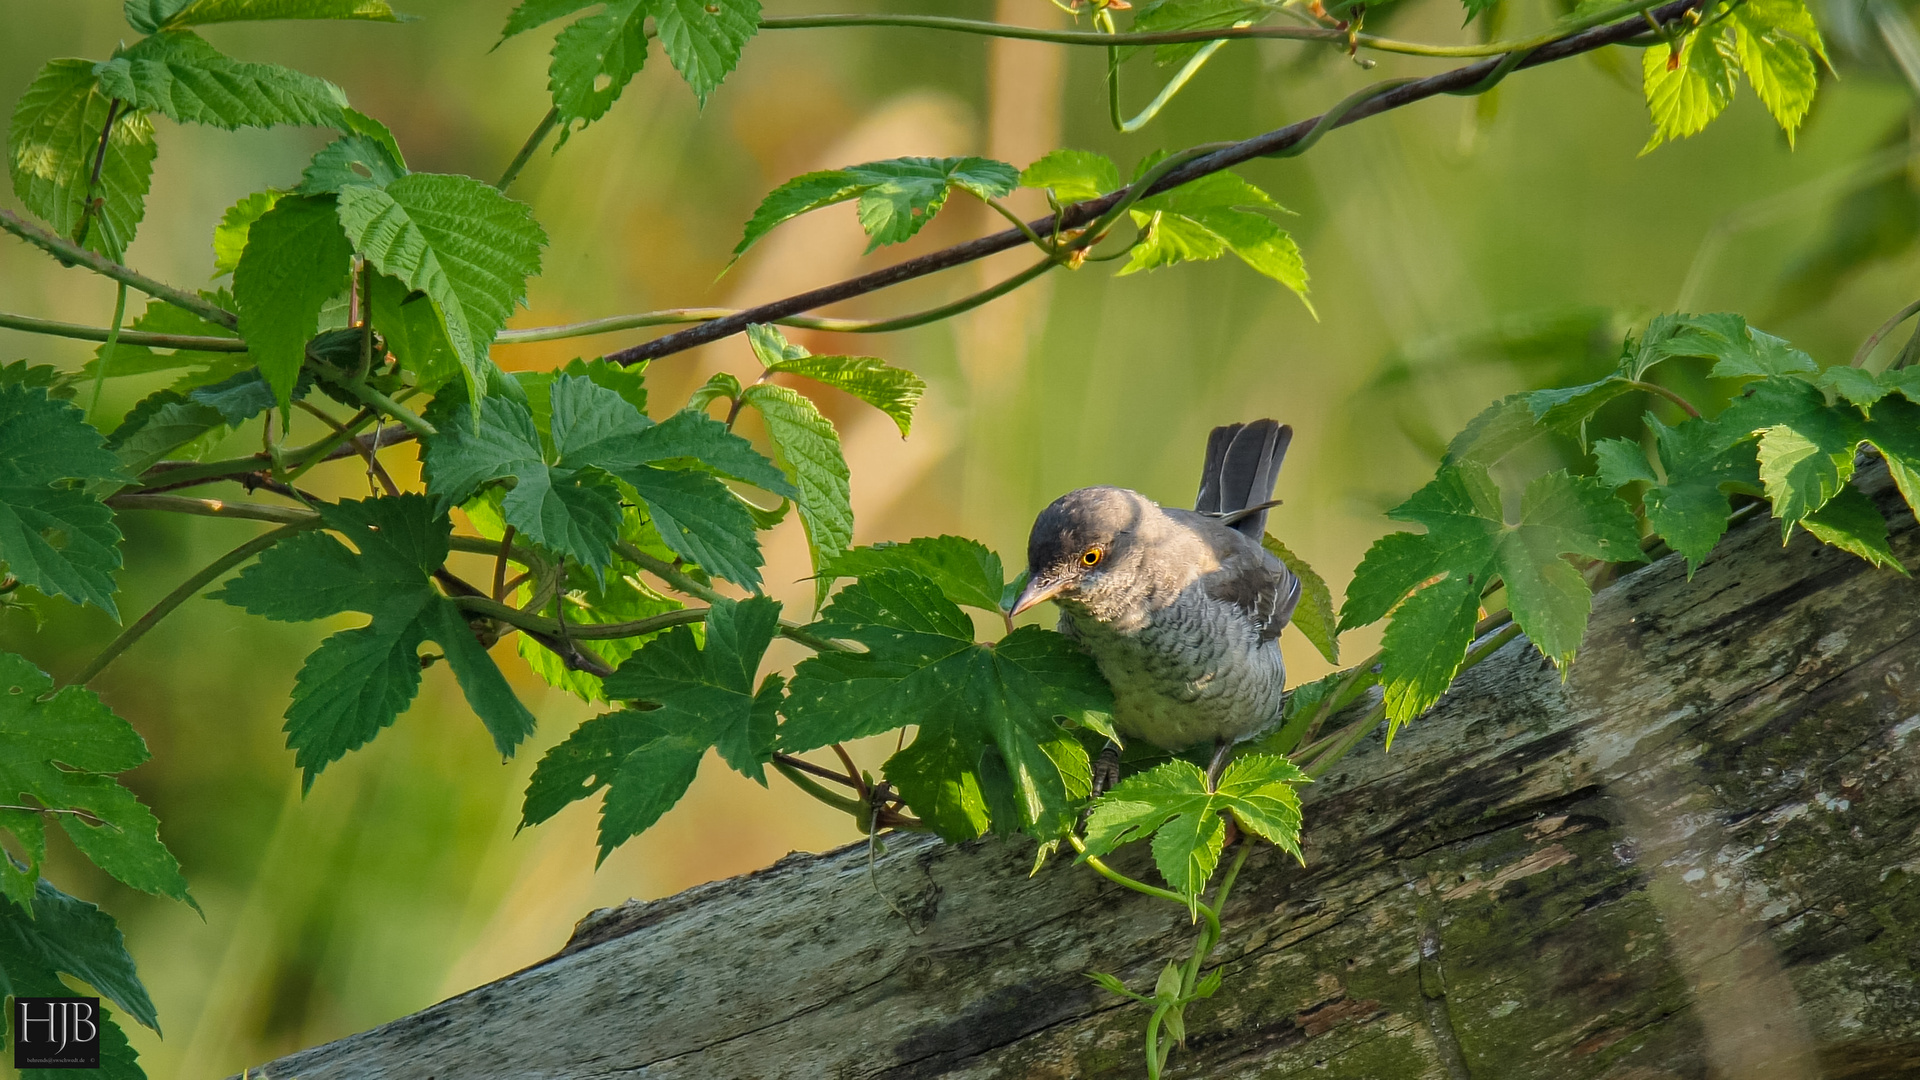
x=626 y=550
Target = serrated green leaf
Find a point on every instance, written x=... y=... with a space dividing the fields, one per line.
x=1851 y=522
x=1777 y=41
x=358 y=681
x=808 y=448
x=177 y=74
x=1469 y=541
x=1690 y=510
x=58 y=750
x=159 y=424
x=1498 y=430
x=457 y=239
x=230 y=236
x=1894 y=430
x=201 y=12
x=985 y=713
x=894 y=391
x=1314 y=617
x=52 y=144
x=1073 y=175
x=1855 y=385
x=53 y=536
x=593 y=61
x=48 y=933
x=296 y=259
x=966 y=571
x=704 y=38
x=1683 y=100
x=705 y=699
x=720 y=386
x=700 y=520
x=1806 y=446
x=896 y=197
x=629 y=382
x=694 y=438
x=351 y=159
x=410 y=324
x=529 y=14
x=1171 y=803
x=1207 y=218
x=621 y=597
x=147 y=16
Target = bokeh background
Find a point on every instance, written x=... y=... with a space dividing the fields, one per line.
x=1459 y=250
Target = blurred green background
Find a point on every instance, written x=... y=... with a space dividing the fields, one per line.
x=1459 y=250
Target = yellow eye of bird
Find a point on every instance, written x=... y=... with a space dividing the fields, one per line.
x=1092 y=557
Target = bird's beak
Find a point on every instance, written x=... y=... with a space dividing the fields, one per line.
x=1037 y=591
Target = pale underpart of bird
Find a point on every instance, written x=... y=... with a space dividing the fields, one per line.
x=1181 y=609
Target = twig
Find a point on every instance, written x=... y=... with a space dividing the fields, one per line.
x=183 y=593
x=73 y=254
x=540 y=133
x=1865 y=351
x=1272 y=143
x=526 y=620
x=500 y=564
x=1670 y=395
x=92 y=204
x=53 y=328
x=106 y=353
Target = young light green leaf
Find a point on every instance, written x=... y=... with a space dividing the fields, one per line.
x=58 y=750
x=49 y=933
x=1314 y=618
x=808 y=448
x=1806 y=445
x=704 y=38
x=892 y=390
x=1687 y=94
x=296 y=259
x=201 y=12
x=1073 y=175
x=457 y=239
x=985 y=713
x=1171 y=803
x=1777 y=41
x=230 y=236
x=896 y=196
x=1851 y=522
x=966 y=571
x=1114 y=986
x=51 y=146
x=53 y=536
x=177 y=74
x=358 y=681
x=720 y=386
x=704 y=699
x=1205 y=219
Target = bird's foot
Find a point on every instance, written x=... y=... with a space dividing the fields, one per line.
x=1106 y=770
x=1222 y=754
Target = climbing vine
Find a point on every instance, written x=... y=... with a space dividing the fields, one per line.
x=624 y=531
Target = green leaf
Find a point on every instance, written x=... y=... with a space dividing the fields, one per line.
x=161 y=317
x=896 y=196
x=704 y=38
x=1171 y=803
x=358 y=681
x=808 y=448
x=1469 y=541
x=1169 y=16
x=985 y=713
x=1894 y=430
x=1498 y=430
x=1073 y=175
x=694 y=438
x=351 y=159
x=230 y=236
x=1684 y=99
x=1856 y=386
x=1689 y=510
x=53 y=142
x=700 y=520
x=621 y=597
x=1314 y=618
x=1205 y=219
x=720 y=386
x=892 y=390
x=55 y=536
x=1114 y=986
x=160 y=424
x=1851 y=522
x=177 y=74
x=1777 y=41
x=704 y=698
x=47 y=933
x=629 y=382
x=58 y=750
x=200 y=12
x=457 y=239
x=1806 y=445
x=296 y=259
x=529 y=14
x=414 y=332
x=147 y=16
x=593 y=61
x=966 y=571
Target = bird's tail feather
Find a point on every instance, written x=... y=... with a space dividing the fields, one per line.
x=1243 y=463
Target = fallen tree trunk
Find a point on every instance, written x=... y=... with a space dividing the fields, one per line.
x=1698 y=856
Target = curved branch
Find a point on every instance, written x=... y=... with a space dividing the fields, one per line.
x=73 y=254
x=525 y=620
x=1273 y=143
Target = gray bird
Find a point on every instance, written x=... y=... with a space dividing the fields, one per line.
x=1181 y=609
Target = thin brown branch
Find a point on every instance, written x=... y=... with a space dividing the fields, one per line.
x=1471 y=77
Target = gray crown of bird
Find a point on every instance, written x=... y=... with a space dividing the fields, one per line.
x=1181 y=609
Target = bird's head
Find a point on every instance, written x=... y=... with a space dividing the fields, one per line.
x=1084 y=545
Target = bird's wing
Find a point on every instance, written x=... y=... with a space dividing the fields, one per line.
x=1255 y=582
x=1243 y=462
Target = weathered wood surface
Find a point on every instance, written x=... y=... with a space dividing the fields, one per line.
x=1698 y=857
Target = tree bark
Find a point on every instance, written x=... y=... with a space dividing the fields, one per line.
x=1696 y=856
